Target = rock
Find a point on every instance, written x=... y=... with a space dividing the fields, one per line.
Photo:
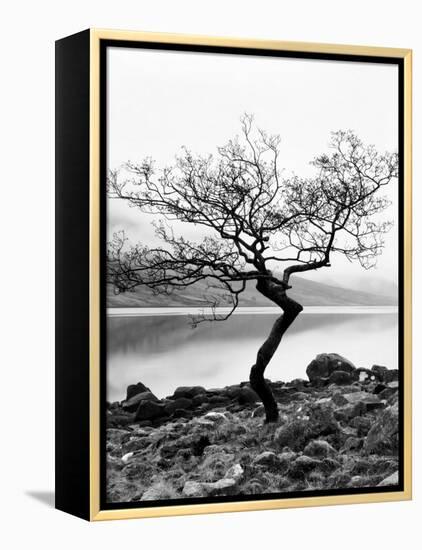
x=285 y=460
x=126 y=457
x=267 y=458
x=134 y=389
x=224 y=486
x=350 y=411
x=232 y=391
x=379 y=388
x=358 y=481
x=132 y=404
x=319 y=448
x=387 y=393
x=341 y=378
x=218 y=399
x=235 y=472
x=119 y=420
x=362 y=424
x=160 y=491
x=259 y=411
x=144 y=424
x=329 y=465
x=187 y=391
x=215 y=417
x=366 y=375
x=149 y=410
x=247 y=396
x=379 y=371
x=302 y=466
x=391 y=375
x=352 y=443
x=385 y=375
x=297 y=384
x=199 y=399
x=393 y=479
x=298 y=396
x=193 y=489
x=134 y=444
x=326 y=363
x=295 y=434
x=368 y=400
x=180 y=403
x=117 y=436
x=383 y=435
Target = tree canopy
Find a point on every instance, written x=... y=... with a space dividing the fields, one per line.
x=260 y=225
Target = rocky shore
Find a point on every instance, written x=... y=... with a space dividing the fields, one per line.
x=339 y=429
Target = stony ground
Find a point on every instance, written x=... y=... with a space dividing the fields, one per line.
x=334 y=432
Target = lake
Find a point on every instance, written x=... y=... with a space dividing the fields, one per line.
x=158 y=346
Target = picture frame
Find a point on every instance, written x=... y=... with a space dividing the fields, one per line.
x=88 y=80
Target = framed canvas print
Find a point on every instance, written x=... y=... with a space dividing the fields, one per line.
x=233 y=274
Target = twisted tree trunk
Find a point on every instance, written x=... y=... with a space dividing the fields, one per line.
x=291 y=309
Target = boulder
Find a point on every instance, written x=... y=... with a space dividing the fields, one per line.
x=349 y=411
x=180 y=403
x=193 y=489
x=132 y=404
x=225 y=486
x=393 y=479
x=232 y=391
x=319 y=448
x=294 y=434
x=298 y=384
x=379 y=371
x=285 y=460
x=187 y=391
x=160 y=491
x=268 y=459
x=302 y=466
x=134 y=389
x=368 y=400
x=247 y=396
x=199 y=399
x=341 y=378
x=325 y=364
x=150 y=410
x=236 y=472
x=383 y=435
x=392 y=375
x=385 y=375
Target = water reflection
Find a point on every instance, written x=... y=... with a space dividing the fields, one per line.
x=165 y=352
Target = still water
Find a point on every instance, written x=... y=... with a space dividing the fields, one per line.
x=160 y=348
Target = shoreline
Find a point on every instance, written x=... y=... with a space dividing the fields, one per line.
x=336 y=431
x=307 y=310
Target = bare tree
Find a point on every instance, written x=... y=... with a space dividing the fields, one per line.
x=261 y=226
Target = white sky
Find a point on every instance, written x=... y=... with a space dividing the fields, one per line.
x=159 y=101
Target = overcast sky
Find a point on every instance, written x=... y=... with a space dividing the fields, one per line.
x=160 y=101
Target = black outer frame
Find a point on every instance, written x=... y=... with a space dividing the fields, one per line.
x=72 y=471
x=72 y=268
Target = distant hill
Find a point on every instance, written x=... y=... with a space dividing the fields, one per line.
x=306 y=292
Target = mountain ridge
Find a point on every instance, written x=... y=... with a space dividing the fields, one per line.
x=306 y=292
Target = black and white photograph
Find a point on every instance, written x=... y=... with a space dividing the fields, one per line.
x=252 y=276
